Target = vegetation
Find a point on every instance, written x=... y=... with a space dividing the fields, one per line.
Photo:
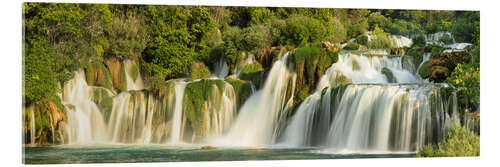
x=459 y=141
x=167 y=42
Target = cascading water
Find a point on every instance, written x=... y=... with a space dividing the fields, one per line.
x=258 y=119
x=400 y=41
x=85 y=121
x=177 y=127
x=221 y=69
x=371 y=114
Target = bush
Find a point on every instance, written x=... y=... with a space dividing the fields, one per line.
x=339 y=31
x=301 y=30
x=351 y=46
x=459 y=141
x=466 y=77
x=362 y=39
x=379 y=39
x=418 y=40
x=199 y=70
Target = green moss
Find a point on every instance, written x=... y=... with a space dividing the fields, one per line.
x=425 y=70
x=104 y=101
x=254 y=73
x=96 y=74
x=388 y=73
x=195 y=95
x=351 y=46
x=135 y=71
x=242 y=89
x=199 y=70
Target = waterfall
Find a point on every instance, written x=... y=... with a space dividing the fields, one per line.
x=132 y=84
x=425 y=58
x=32 y=126
x=221 y=69
x=400 y=41
x=177 y=118
x=85 y=121
x=371 y=114
x=258 y=119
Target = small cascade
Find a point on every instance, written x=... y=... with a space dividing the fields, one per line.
x=425 y=58
x=367 y=69
x=221 y=69
x=177 y=127
x=258 y=119
x=371 y=114
x=85 y=121
x=32 y=126
x=436 y=40
x=132 y=84
x=400 y=41
x=222 y=109
x=132 y=113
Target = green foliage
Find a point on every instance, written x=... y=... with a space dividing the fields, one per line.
x=253 y=72
x=129 y=36
x=446 y=39
x=362 y=40
x=459 y=141
x=418 y=40
x=466 y=27
x=339 y=31
x=177 y=38
x=379 y=39
x=39 y=79
x=378 y=20
x=466 y=78
x=301 y=30
x=351 y=46
x=199 y=70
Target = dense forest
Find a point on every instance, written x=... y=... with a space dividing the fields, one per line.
x=170 y=42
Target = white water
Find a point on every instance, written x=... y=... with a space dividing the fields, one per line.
x=85 y=121
x=399 y=41
x=177 y=119
x=371 y=115
x=259 y=118
x=221 y=69
x=32 y=126
x=136 y=84
x=425 y=58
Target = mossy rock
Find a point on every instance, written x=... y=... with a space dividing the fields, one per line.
x=96 y=74
x=195 y=95
x=117 y=71
x=425 y=71
x=199 y=70
x=242 y=89
x=254 y=73
x=388 y=74
x=104 y=100
x=351 y=46
x=48 y=114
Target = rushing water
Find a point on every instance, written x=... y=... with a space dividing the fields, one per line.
x=371 y=114
x=367 y=104
x=259 y=118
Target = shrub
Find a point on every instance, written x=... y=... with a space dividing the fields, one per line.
x=466 y=77
x=301 y=30
x=362 y=39
x=418 y=40
x=199 y=70
x=459 y=141
x=339 y=31
x=379 y=39
x=351 y=46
